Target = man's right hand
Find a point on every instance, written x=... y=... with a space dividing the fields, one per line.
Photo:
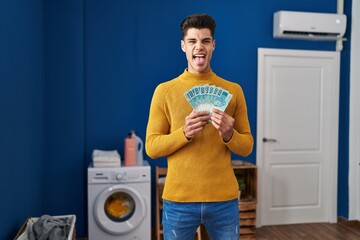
x=195 y=122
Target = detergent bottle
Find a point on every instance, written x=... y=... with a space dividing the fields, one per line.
x=130 y=151
x=139 y=150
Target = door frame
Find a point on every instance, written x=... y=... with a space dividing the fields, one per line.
x=333 y=166
x=354 y=128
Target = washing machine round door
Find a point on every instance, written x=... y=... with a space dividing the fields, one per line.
x=119 y=209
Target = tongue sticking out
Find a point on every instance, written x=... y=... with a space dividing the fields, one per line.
x=199 y=60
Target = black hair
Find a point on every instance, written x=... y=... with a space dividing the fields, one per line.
x=198 y=21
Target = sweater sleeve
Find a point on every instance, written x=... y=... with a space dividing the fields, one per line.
x=160 y=141
x=242 y=141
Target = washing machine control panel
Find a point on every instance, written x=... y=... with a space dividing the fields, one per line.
x=127 y=176
x=119 y=175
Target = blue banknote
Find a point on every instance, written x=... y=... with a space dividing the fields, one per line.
x=207 y=97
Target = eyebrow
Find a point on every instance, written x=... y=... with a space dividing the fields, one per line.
x=204 y=39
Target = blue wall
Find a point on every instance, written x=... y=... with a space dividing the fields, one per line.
x=21 y=113
x=64 y=159
x=77 y=75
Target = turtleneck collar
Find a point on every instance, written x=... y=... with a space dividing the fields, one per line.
x=198 y=77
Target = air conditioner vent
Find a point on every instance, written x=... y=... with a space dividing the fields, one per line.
x=320 y=34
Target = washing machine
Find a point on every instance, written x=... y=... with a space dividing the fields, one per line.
x=119 y=200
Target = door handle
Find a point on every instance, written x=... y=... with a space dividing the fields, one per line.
x=269 y=140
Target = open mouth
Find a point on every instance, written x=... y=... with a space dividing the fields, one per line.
x=199 y=59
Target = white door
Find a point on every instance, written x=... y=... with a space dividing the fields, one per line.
x=354 y=126
x=297 y=132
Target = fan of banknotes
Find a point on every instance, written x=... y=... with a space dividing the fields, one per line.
x=207 y=97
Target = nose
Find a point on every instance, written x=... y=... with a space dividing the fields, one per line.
x=199 y=45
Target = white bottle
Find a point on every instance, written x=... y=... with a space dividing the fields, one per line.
x=139 y=151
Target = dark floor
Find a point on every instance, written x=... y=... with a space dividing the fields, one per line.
x=318 y=231
x=312 y=231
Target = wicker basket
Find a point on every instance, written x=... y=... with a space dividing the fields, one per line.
x=22 y=233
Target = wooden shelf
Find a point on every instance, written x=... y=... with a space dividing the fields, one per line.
x=247 y=172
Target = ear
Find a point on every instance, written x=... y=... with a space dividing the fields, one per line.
x=183 y=45
x=214 y=44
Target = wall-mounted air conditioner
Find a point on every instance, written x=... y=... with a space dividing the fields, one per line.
x=309 y=26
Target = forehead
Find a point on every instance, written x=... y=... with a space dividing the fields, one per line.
x=198 y=33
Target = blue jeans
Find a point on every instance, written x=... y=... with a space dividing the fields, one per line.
x=221 y=220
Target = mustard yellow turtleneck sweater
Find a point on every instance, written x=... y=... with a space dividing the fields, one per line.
x=199 y=170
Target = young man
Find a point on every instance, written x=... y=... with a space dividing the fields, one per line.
x=200 y=187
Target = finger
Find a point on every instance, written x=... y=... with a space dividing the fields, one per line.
x=197 y=121
x=194 y=117
x=218 y=111
x=192 y=130
x=191 y=115
x=197 y=117
x=214 y=122
x=201 y=113
x=217 y=118
x=221 y=123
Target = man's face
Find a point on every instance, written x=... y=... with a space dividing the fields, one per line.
x=198 y=46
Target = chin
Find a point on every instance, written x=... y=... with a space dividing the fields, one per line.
x=200 y=69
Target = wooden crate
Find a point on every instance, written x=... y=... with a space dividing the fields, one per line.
x=248 y=200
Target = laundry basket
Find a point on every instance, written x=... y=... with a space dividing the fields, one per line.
x=26 y=227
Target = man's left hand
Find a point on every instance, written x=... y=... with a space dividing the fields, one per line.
x=224 y=123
